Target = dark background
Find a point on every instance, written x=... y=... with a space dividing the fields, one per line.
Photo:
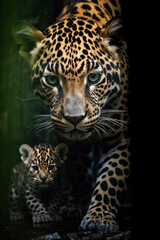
x=16 y=115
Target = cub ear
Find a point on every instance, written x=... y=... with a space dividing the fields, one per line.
x=27 y=37
x=112 y=40
x=61 y=151
x=25 y=151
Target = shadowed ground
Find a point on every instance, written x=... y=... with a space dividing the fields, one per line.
x=25 y=230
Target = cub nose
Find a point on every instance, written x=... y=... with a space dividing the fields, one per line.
x=43 y=176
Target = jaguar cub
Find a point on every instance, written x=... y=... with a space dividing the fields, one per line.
x=37 y=177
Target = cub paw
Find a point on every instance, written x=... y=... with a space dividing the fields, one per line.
x=16 y=216
x=71 y=212
x=41 y=218
x=107 y=224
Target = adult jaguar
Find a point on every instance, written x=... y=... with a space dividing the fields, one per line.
x=80 y=71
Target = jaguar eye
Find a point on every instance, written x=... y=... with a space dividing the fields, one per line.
x=35 y=168
x=94 y=77
x=51 y=80
x=51 y=167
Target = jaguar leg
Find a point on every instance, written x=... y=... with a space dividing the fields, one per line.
x=112 y=175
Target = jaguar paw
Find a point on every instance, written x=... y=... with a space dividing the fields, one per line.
x=103 y=225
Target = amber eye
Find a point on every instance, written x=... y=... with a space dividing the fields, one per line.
x=51 y=80
x=94 y=77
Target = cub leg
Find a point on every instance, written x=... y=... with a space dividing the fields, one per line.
x=36 y=206
x=54 y=206
x=14 y=195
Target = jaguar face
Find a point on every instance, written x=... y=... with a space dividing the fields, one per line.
x=77 y=107
x=75 y=74
x=75 y=66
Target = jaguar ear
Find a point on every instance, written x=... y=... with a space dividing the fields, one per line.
x=112 y=40
x=61 y=151
x=26 y=37
x=25 y=151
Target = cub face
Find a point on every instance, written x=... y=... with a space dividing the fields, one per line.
x=43 y=162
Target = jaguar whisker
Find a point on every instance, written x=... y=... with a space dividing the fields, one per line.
x=101 y=127
x=117 y=122
x=104 y=124
x=97 y=131
x=112 y=111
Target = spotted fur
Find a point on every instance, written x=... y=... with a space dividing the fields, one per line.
x=80 y=71
x=37 y=177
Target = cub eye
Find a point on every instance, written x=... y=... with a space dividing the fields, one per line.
x=35 y=168
x=51 y=80
x=94 y=77
x=51 y=167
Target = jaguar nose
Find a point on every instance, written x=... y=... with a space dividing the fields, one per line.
x=74 y=120
x=43 y=176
